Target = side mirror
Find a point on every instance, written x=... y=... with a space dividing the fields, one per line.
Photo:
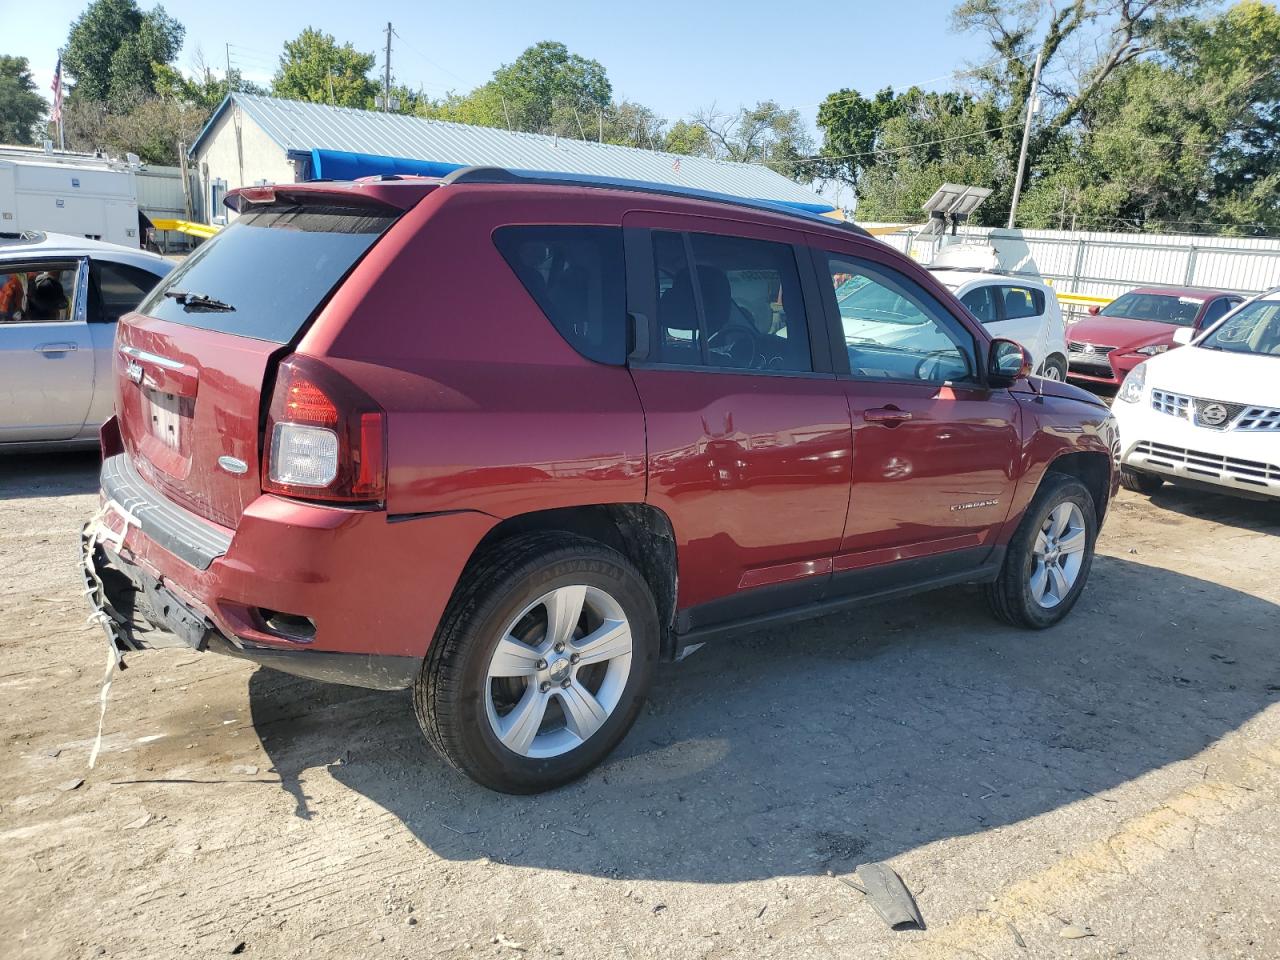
x=1008 y=361
x=1093 y=311
x=1183 y=336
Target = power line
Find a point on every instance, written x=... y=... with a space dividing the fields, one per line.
x=817 y=158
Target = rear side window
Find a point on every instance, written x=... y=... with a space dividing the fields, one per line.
x=981 y=302
x=577 y=278
x=266 y=273
x=115 y=289
x=1022 y=302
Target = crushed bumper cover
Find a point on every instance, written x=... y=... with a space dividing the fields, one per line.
x=139 y=611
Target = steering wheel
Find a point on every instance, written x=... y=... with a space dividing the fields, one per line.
x=736 y=341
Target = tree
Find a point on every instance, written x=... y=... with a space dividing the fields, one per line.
x=151 y=127
x=1186 y=139
x=313 y=67
x=550 y=90
x=113 y=49
x=853 y=124
x=546 y=89
x=765 y=133
x=630 y=124
x=1127 y=128
x=202 y=88
x=20 y=106
x=927 y=139
x=689 y=138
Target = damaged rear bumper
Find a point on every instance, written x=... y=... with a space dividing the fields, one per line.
x=141 y=611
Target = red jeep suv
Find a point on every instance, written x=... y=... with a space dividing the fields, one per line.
x=511 y=439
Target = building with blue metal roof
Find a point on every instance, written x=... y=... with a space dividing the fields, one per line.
x=255 y=140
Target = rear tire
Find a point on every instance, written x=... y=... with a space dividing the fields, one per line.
x=1049 y=557
x=1139 y=481
x=498 y=696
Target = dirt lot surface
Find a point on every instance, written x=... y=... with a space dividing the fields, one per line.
x=1115 y=778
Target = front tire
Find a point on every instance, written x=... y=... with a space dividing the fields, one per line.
x=1048 y=560
x=1055 y=368
x=541 y=663
x=1140 y=482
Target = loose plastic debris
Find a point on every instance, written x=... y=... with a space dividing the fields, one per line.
x=888 y=895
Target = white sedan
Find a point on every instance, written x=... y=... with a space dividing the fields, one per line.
x=1209 y=413
x=60 y=298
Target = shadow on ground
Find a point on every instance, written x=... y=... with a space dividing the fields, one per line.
x=1260 y=515
x=28 y=475
x=851 y=738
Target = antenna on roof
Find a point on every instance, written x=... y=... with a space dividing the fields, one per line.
x=952 y=204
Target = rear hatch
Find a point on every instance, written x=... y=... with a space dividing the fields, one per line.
x=193 y=364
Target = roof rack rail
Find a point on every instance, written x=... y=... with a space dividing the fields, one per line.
x=464 y=175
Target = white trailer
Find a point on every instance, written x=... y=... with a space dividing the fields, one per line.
x=80 y=196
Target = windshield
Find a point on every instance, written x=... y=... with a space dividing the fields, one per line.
x=1254 y=328
x=1162 y=308
x=265 y=274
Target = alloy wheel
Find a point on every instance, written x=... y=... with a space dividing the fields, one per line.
x=1058 y=554
x=558 y=672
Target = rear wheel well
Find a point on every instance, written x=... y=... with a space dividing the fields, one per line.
x=639 y=532
x=1091 y=469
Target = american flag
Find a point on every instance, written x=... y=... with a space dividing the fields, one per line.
x=56 y=115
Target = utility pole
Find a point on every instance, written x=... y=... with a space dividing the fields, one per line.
x=1032 y=98
x=386 y=80
x=228 y=68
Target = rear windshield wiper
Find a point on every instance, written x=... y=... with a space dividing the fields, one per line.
x=199 y=301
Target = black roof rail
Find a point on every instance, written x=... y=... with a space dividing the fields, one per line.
x=465 y=175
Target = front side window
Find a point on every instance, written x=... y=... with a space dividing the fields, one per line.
x=1254 y=328
x=894 y=329
x=739 y=306
x=37 y=292
x=1162 y=308
x=116 y=288
x=577 y=278
x=1216 y=311
x=1020 y=302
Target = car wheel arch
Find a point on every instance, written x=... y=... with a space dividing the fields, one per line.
x=1090 y=467
x=639 y=531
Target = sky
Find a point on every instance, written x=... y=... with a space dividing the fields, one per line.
x=674 y=57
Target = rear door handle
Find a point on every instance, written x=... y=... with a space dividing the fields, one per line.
x=56 y=347
x=886 y=415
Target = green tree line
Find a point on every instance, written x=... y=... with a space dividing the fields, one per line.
x=1153 y=114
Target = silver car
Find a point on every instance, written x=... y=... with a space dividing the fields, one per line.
x=60 y=298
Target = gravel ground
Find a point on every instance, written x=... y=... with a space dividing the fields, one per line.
x=1115 y=778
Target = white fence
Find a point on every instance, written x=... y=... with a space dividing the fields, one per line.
x=1108 y=264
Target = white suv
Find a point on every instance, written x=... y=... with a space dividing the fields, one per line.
x=1210 y=412
x=1016 y=308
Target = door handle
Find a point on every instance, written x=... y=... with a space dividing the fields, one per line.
x=56 y=348
x=890 y=416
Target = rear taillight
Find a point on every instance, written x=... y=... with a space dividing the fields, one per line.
x=326 y=439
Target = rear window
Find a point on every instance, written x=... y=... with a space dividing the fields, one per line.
x=576 y=276
x=272 y=267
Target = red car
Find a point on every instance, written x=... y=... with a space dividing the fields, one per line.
x=510 y=441
x=1136 y=326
